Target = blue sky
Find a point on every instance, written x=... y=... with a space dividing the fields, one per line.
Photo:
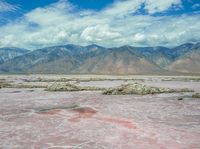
x=25 y=6
x=38 y=23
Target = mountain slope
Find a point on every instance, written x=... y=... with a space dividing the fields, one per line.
x=10 y=53
x=47 y=60
x=189 y=62
x=182 y=50
x=117 y=61
x=160 y=56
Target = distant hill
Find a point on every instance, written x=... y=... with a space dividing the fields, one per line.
x=94 y=59
x=10 y=53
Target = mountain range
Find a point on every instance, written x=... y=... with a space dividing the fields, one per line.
x=95 y=59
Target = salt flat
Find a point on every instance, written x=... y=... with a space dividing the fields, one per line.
x=34 y=118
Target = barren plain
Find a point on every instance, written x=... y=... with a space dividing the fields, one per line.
x=31 y=117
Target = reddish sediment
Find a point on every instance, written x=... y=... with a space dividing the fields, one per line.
x=118 y=121
x=112 y=122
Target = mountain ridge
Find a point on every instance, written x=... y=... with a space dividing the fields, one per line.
x=95 y=59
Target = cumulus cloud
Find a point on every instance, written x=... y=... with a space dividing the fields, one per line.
x=115 y=25
x=98 y=33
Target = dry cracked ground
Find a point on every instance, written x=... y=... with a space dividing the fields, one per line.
x=37 y=119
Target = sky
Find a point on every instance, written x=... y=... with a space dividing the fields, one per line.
x=34 y=24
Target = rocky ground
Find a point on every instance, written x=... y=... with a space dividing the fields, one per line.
x=39 y=119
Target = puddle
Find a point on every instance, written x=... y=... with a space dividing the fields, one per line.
x=51 y=112
x=83 y=112
x=14 y=92
x=87 y=112
x=55 y=109
x=30 y=90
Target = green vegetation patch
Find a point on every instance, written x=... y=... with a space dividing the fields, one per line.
x=4 y=84
x=140 y=89
x=27 y=86
x=58 y=107
x=82 y=79
x=65 y=86
x=66 y=80
x=185 y=90
x=189 y=79
x=196 y=95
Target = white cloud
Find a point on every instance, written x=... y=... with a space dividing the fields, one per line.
x=138 y=37
x=122 y=8
x=154 y=6
x=99 y=33
x=115 y=25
